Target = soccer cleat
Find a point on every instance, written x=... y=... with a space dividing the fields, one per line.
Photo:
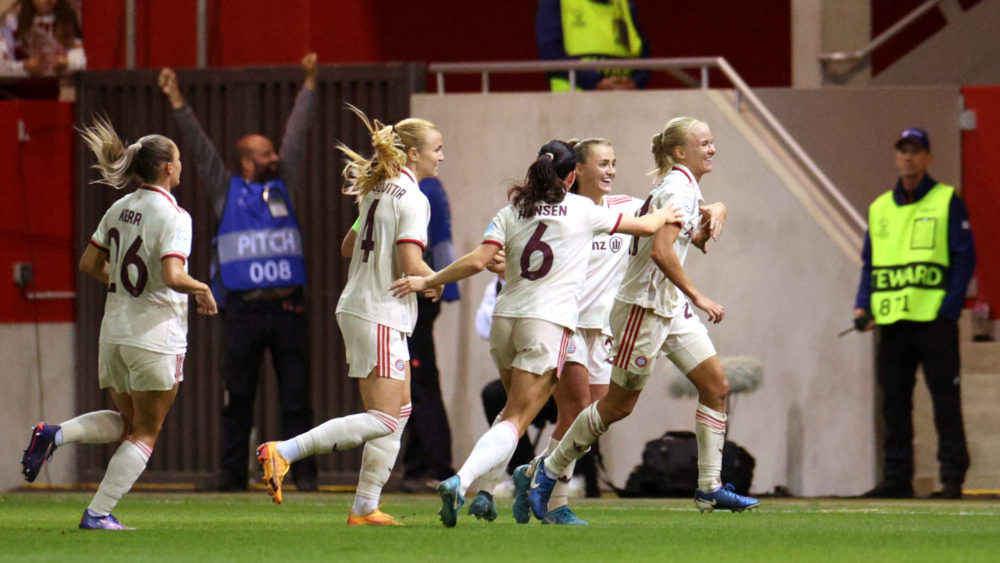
x=108 y=522
x=275 y=467
x=39 y=450
x=563 y=515
x=522 y=511
x=483 y=507
x=377 y=518
x=540 y=491
x=451 y=500
x=726 y=499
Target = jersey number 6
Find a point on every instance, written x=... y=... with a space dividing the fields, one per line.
x=535 y=244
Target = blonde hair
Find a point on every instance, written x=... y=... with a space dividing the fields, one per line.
x=673 y=135
x=120 y=165
x=390 y=143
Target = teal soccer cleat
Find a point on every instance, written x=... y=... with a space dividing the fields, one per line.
x=522 y=512
x=451 y=500
x=563 y=515
x=483 y=507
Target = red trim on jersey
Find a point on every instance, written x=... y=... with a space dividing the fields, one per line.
x=165 y=194
x=410 y=174
x=93 y=242
x=617 y=199
x=618 y=222
x=174 y=255
x=412 y=241
x=498 y=243
x=682 y=171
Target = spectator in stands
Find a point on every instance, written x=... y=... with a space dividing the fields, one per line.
x=41 y=38
x=590 y=30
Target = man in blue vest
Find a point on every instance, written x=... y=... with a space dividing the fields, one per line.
x=261 y=273
x=591 y=30
x=918 y=258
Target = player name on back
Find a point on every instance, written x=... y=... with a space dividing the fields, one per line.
x=547 y=211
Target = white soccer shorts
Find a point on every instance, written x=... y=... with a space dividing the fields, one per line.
x=126 y=368
x=590 y=348
x=373 y=346
x=640 y=335
x=531 y=345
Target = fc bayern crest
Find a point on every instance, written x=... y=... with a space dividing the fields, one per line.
x=641 y=361
x=571 y=349
x=399 y=365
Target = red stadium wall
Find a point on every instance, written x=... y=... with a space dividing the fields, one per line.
x=36 y=220
x=346 y=31
x=981 y=186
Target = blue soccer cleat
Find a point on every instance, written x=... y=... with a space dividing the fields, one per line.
x=483 y=507
x=451 y=500
x=563 y=515
x=540 y=491
x=522 y=482
x=39 y=450
x=725 y=499
x=108 y=522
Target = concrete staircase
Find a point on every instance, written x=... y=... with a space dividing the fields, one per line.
x=981 y=411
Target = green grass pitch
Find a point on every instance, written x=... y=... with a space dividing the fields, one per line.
x=41 y=526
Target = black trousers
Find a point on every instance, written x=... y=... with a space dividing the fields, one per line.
x=934 y=345
x=494 y=399
x=428 y=436
x=278 y=325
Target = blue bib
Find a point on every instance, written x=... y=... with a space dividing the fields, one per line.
x=259 y=244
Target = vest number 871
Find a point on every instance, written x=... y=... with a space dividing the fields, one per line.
x=270 y=271
x=899 y=303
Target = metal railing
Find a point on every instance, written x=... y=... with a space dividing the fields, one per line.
x=850 y=56
x=675 y=67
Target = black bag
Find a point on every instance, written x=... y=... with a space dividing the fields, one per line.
x=670 y=468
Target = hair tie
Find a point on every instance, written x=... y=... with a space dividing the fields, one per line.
x=550 y=155
x=136 y=145
x=393 y=128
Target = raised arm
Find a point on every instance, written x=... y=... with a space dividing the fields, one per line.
x=211 y=169
x=666 y=259
x=295 y=140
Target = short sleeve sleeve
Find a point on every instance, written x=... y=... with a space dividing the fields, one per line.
x=100 y=236
x=686 y=200
x=414 y=214
x=496 y=232
x=602 y=219
x=175 y=240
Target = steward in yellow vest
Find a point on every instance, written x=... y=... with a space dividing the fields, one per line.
x=917 y=261
x=591 y=30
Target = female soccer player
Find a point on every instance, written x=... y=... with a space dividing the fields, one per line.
x=139 y=251
x=652 y=315
x=546 y=233
x=389 y=243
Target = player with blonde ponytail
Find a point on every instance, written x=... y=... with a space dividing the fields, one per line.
x=139 y=251
x=388 y=243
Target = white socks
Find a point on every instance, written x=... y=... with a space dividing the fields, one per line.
x=376 y=464
x=710 y=429
x=584 y=431
x=98 y=427
x=560 y=492
x=488 y=482
x=338 y=434
x=496 y=446
x=125 y=467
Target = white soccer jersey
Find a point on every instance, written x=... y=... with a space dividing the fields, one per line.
x=393 y=213
x=606 y=268
x=547 y=257
x=644 y=284
x=138 y=231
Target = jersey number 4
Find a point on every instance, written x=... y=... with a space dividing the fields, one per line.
x=367 y=240
x=131 y=258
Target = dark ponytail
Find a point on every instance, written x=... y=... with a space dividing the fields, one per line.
x=544 y=181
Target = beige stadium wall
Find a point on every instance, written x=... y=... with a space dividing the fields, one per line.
x=850 y=132
x=23 y=402
x=786 y=279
